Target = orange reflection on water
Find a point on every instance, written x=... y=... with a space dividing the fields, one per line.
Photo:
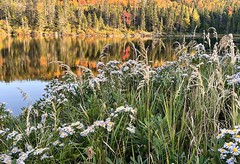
x=29 y=58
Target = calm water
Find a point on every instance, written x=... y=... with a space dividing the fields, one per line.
x=25 y=63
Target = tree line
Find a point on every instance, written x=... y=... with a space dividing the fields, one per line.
x=80 y=16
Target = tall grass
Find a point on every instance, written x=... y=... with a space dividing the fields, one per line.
x=131 y=112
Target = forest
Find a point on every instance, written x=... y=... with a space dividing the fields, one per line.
x=19 y=17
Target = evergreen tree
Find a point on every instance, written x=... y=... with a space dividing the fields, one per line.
x=156 y=21
x=84 y=22
x=89 y=20
x=95 y=23
x=143 y=22
x=101 y=22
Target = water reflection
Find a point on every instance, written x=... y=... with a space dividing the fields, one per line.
x=30 y=58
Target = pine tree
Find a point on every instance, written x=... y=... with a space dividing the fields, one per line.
x=95 y=23
x=101 y=22
x=143 y=22
x=84 y=22
x=89 y=20
x=155 y=24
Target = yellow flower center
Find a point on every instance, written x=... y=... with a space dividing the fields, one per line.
x=229 y=144
x=235 y=150
x=234 y=130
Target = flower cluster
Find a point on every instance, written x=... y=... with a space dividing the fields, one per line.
x=109 y=124
x=230 y=150
x=68 y=130
x=234 y=79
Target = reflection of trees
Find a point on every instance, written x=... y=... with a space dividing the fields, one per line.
x=29 y=58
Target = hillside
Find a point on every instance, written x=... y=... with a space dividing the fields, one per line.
x=115 y=16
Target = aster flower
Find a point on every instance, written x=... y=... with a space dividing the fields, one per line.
x=22 y=157
x=44 y=156
x=99 y=124
x=65 y=131
x=220 y=135
x=235 y=150
x=223 y=156
x=44 y=118
x=39 y=151
x=231 y=160
x=15 y=150
x=55 y=143
x=110 y=126
x=2 y=132
x=90 y=129
x=223 y=151
x=234 y=131
x=131 y=128
x=229 y=145
x=6 y=158
x=120 y=109
x=236 y=138
x=11 y=135
x=63 y=134
x=18 y=137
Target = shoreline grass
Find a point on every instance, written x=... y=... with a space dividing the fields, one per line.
x=133 y=113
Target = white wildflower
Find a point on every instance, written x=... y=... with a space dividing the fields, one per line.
x=84 y=133
x=44 y=156
x=231 y=160
x=236 y=138
x=2 y=132
x=6 y=158
x=28 y=147
x=39 y=126
x=65 y=131
x=120 y=109
x=22 y=157
x=223 y=151
x=99 y=123
x=221 y=135
x=125 y=69
x=235 y=150
x=234 y=131
x=14 y=150
x=131 y=128
x=76 y=123
x=63 y=134
x=223 y=156
x=128 y=109
x=44 y=118
x=11 y=135
x=90 y=129
x=109 y=126
x=55 y=143
x=229 y=145
x=18 y=137
x=39 y=151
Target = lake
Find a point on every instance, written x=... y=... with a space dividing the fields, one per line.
x=26 y=64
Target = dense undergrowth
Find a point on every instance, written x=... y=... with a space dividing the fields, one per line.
x=133 y=113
